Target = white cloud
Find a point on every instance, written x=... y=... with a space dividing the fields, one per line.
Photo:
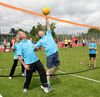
x=82 y=11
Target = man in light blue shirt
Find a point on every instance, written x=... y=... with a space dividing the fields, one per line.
x=26 y=49
x=31 y=63
x=92 y=52
x=51 y=50
x=48 y=43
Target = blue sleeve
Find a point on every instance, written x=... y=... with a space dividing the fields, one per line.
x=19 y=51
x=38 y=44
x=49 y=33
x=95 y=45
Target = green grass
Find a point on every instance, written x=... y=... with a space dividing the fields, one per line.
x=65 y=85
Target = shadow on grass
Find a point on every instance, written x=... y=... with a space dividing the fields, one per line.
x=58 y=74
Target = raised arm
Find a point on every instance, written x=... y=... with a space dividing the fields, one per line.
x=47 y=24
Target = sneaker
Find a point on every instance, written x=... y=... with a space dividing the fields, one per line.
x=50 y=89
x=90 y=66
x=94 y=67
x=24 y=90
x=10 y=77
x=23 y=74
x=46 y=90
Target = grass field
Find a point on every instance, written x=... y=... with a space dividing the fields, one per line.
x=84 y=82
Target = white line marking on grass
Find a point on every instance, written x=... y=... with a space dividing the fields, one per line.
x=90 y=79
x=82 y=77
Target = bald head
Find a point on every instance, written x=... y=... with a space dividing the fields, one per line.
x=40 y=33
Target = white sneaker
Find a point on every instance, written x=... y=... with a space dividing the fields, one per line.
x=94 y=66
x=24 y=90
x=46 y=90
x=23 y=74
x=50 y=88
x=10 y=77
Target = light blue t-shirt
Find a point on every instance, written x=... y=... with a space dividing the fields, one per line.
x=16 y=48
x=27 y=51
x=92 y=45
x=48 y=43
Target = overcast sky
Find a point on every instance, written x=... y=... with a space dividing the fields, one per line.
x=81 y=11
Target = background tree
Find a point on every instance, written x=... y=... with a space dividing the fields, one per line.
x=34 y=31
x=53 y=26
x=39 y=27
x=93 y=32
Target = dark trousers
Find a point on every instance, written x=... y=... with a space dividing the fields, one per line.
x=5 y=48
x=84 y=44
x=14 y=67
x=40 y=69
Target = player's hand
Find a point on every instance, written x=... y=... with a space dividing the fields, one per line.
x=27 y=67
x=13 y=42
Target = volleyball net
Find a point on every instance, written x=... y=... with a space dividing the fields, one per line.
x=71 y=37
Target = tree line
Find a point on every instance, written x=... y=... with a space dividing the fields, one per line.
x=34 y=30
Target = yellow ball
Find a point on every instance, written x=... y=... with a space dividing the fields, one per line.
x=46 y=10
